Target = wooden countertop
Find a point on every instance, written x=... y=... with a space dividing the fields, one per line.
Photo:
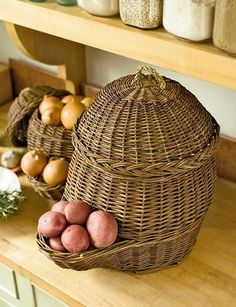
x=207 y=277
x=156 y=47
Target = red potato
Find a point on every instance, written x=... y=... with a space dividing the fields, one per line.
x=60 y=206
x=77 y=212
x=75 y=239
x=102 y=228
x=51 y=224
x=55 y=243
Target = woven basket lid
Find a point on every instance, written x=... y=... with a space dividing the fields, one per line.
x=145 y=119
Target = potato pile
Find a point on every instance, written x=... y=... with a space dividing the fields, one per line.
x=54 y=170
x=64 y=112
x=73 y=227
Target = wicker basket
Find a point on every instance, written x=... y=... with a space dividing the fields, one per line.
x=127 y=255
x=22 y=109
x=53 y=141
x=144 y=151
x=45 y=190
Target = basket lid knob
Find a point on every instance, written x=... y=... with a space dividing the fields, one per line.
x=148 y=81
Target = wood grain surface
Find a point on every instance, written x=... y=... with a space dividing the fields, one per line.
x=26 y=75
x=226 y=158
x=68 y=56
x=207 y=277
x=6 y=93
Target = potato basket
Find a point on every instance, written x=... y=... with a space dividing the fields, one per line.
x=145 y=152
x=52 y=140
x=22 y=109
x=127 y=255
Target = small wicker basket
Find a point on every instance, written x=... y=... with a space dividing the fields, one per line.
x=144 y=151
x=45 y=190
x=53 y=141
x=23 y=107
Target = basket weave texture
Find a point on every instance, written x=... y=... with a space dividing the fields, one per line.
x=45 y=190
x=53 y=141
x=23 y=107
x=144 y=151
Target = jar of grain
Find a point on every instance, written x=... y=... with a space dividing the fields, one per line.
x=100 y=8
x=224 y=36
x=190 y=20
x=143 y=14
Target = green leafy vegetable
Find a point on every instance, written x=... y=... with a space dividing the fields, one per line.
x=10 y=202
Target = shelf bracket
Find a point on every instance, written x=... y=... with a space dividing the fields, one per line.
x=67 y=55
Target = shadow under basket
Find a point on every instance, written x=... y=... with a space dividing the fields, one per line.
x=47 y=191
x=52 y=140
x=127 y=255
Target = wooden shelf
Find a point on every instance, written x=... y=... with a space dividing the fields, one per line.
x=155 y=47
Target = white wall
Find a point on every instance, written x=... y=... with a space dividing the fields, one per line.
x=103 y=67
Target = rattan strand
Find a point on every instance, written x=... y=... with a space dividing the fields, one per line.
x=127 y=255
x=45 y=190
x=53 y=141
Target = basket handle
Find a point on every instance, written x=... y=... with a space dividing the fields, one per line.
x=160 y=80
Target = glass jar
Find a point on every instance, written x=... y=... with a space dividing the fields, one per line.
x=224 y=36
x=67 y=2
x=191 y=20
x=101 y=7
x=145 y=14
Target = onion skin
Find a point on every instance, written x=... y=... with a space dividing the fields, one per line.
x=55 y=172
x=87 y=101
x=70 y=98
x=51 y=116
x=70 y=113
x=33 y=163
x=10 y=159
x=49 y=102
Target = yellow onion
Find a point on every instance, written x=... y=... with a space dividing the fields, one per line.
x=87 y=101
x=33 y=162
x=70 y=113
x=70 y=98
x=55 y=171
x=49 y=102
x=51 y=116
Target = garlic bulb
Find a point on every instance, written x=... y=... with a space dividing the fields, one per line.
x=10 y=159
